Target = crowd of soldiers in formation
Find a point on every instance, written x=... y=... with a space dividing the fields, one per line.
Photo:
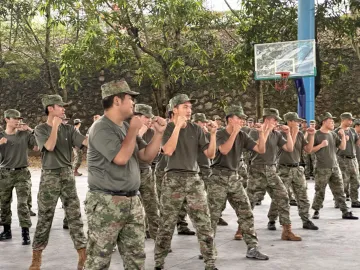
x=146 y=173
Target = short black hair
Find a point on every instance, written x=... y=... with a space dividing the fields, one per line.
x=47 y=110
x=109 y=101
x=77 y=124
x=229 y=116
x=170 y=114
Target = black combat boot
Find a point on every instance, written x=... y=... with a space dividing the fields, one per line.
x=25 y=236
x=6 y=234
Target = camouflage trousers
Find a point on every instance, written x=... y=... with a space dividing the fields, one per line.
x=294 y=178
x=55 y=184
x=176 y=188
x=114 y=220
x=225 y=185
x=350 y=174
x=21 y=181
x=331 y=176
x=310 y=164
x=243 y=173
x=181 y=222
x=78 y=156
x=150 y=201
x=264 y=178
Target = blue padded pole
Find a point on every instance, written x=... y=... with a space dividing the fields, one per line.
x=306 y=30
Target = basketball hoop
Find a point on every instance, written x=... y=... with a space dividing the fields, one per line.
x=281 y=83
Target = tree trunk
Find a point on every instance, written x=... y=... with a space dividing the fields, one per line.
x=259 y=99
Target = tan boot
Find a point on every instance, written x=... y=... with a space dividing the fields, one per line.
x=36 y=260
x=238 y=235
x=288 y=235
x=82 y=258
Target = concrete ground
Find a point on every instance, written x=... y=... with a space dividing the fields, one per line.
x=335 y=246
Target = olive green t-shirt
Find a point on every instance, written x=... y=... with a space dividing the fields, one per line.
x=231 y=161
x=326 y=156
x=191 y=140
x=67 y=138
x=14 y=153
x=350 y=149
x=147 y=137
x=274 y=142
x=203 y=161
x=246 y=129
x=294 y=156
x=105 y=141
x=358 y=151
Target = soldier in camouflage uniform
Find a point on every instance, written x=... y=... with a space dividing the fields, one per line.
x=357 y=129
x=310 y=157
x=113 y=207
x=55 y=141
x=327 y=169
x=292 y=174
x=218 y=121
x=147 y=188
x=347 y=160
x=181 y=143
x=78 y=153
x=263 y=174
x=15 y=141
x=225 y=184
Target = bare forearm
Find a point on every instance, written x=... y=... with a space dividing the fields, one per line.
x=289 y=146
x=342 y=145
x=51 y=142
x=211 y=151
x=309 y=147
x=152 y=149
x=226 y=147
x=316 y=148
x=170 y=146
x=127 y=148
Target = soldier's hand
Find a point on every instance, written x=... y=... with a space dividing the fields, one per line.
x=295 y=129
x=347 y=137
x=285 y=129
x=159 y=124
x=310 y=131
x=205 y=129
x=324 y=143
x=3 y=141
x=57 y=121
x=236 y=128
x=212 y=125
x=143 y=129
x=260 y=128
x=341 y=132
x=135 y=122
x=181 y=121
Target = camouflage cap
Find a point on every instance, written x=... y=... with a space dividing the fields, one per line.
x=357 y=122
x=11 y=113
x=325 y=116
x=292 y=116
x=235 y=110
x=77 y=121
x=49 y=100
x=216 y=117
x=250 y=120
x=272 y=112
x=144 y=110
x=312 y=122
x=347 y=115
x=199 y=117
x=180 y=99
x=116 y=87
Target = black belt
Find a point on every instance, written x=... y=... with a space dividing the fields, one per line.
x=348 y=157
x=14 y=169
x=290 y=165
x=132 y=193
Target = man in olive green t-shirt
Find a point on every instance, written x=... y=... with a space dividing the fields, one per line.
x=15 y=141
x=113 y=207
x=327 y=170
x=56 y=142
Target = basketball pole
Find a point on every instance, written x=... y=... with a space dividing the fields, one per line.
x=306 y=30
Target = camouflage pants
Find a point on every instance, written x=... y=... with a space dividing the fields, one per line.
x=224 y=186
x=265 y=178
x=54 y=184
x=29 y=201
x=21 y=181
x=323 y=177
x=181 y=222
x=78 y=156
x=350 y=174
x=114 y=220
x=150 y=201
x=310 y=164
x=293 y=178
x=176 y=188
x=243 y=173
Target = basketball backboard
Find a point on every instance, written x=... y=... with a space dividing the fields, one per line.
x=297 y=57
